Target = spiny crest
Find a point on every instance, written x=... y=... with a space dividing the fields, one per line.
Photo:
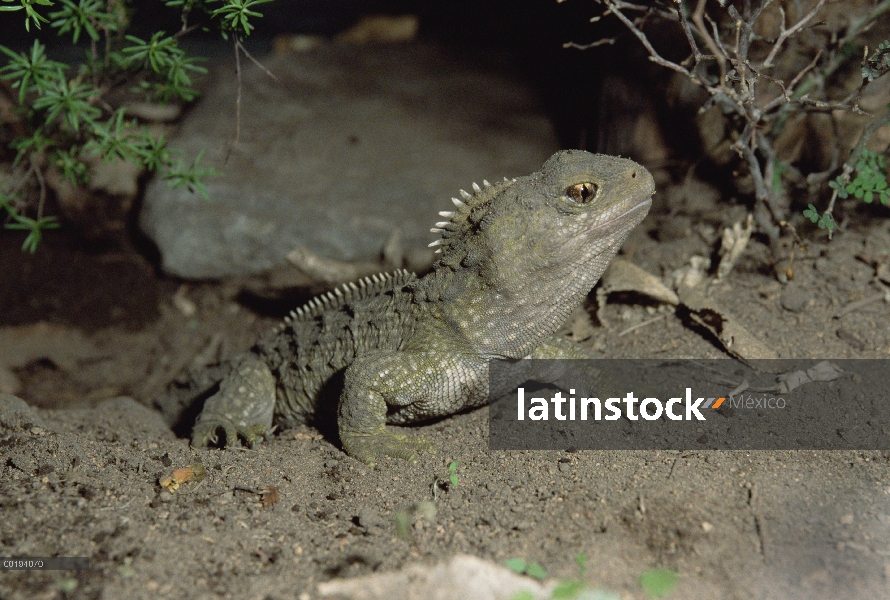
x=459 y=220
x=348 y=292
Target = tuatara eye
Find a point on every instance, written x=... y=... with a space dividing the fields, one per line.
x=582 y=193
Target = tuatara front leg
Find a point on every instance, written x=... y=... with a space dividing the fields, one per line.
x=404 y=387
x=242 y=408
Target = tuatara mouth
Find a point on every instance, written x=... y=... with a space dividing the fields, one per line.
x=647 y=203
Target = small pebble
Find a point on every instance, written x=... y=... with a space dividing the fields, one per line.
x=793 y=298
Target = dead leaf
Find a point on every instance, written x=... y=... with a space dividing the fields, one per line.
x=624 y=276
x=824 y=371
x=733 y=244
x=269 y=496
x=193 y=471
x=737 y=340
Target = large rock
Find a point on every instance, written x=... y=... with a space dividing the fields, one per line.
x=349 y=144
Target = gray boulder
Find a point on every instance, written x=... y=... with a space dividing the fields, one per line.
x=350 y=143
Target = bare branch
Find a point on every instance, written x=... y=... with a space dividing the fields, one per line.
x=805 y=70
x=255 y=61
x=237 y=101
x=820 y=106
x=786 y=33
x=600 y=42
x=654 y=56
x=42 y=202
x=698 y=19
x=684 y=23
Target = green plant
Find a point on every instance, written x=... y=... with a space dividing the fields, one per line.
x=566 y=589
x=452 y=473
x=71 y=115
x=878 y=62
x=34 y=227
x=440 y=483
x=659 y=582
x=869 y=182
x=825 y=220
x=533 y=570
x=864 y=176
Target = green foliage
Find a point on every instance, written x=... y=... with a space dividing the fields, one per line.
x=581 y=561
x=235 y=13
x=71 y=166
x=779 y=169
x=533 y=570
x=825 y=220
x=31 y=14
x=34 y=227
x=67 y=585
x=87 y=15
x=69 y=114
x=567 y=589
x=445 y=483
x=32 y=72
x=36 y=143
x=192 y=177
x=452 y=473
x=869 y=182
x=878 y=62
x=70 y=100
x=658 y=583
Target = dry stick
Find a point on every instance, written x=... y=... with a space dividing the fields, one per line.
x=186 y=30
x=790 y=90
x=42 y=200
x=684 y=23
x=786 y=33
x=641 y=325
x=255 y=61
x=747 y=94
x=697 y=18
x=715 y=35
x=654 y=56
x=240 y=47
x=761 y=192
x=821 y=106
x=805 y=70
x=94 y=54
x=237 y=101
x=854 y=306
x=837 y=58
x=600 y=42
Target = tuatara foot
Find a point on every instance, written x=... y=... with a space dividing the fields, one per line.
x=242 y=407
x=207 y=430
x=366 y=447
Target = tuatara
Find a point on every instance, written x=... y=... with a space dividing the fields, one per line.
x=515 y=258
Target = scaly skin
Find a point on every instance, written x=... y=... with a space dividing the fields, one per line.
x=516 y=258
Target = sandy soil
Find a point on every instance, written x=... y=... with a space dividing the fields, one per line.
x=80 y=470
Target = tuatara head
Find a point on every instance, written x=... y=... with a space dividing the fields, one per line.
x=534 y=246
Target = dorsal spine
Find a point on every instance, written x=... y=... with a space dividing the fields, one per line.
x=348 y=292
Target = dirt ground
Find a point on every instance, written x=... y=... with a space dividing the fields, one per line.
x=91 y=340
